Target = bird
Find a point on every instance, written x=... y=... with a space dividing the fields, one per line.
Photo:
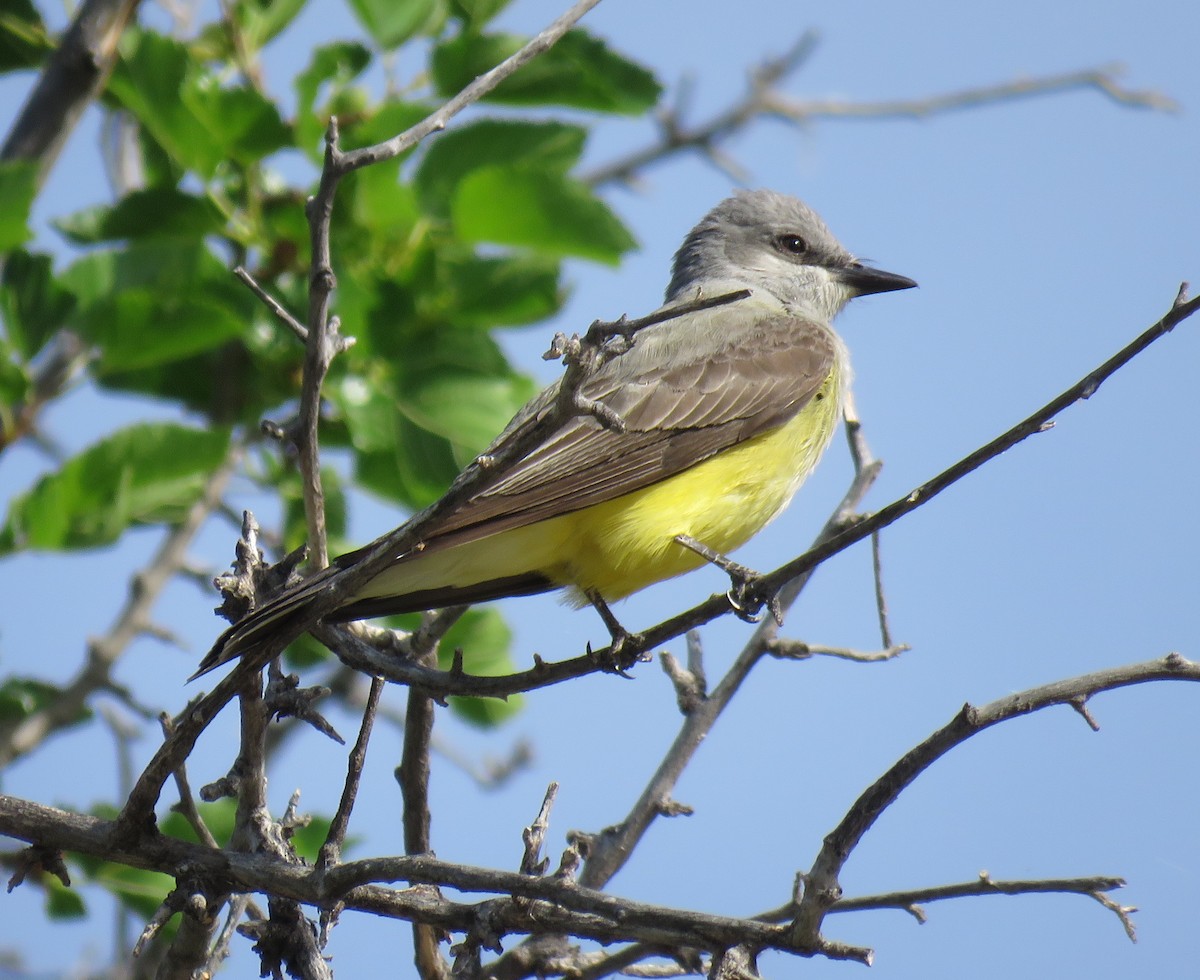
x=723 y=413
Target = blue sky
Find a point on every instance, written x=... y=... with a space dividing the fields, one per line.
x=1045 y=234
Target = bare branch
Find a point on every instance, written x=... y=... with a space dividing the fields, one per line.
x=331 y=850
x=482 y=85
x=73 y=76
x=272 y=304
x=534 y=836
x=799 y=650
x=983 y=885
x=1102 y=80
x=549 y=905
x=413 y=777
x=881 y=609
x=187 y=803
x=763 y=99
x=822 y=890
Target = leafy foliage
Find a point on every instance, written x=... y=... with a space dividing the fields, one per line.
x=464 y=236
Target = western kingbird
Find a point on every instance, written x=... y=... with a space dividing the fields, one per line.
x=725 y=411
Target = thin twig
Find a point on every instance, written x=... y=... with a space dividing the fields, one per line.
x=272 y=304
x=763 y=99
x=187 y=802
x=480 y=87
x=1102 y=80
x=881 y=607
x=799 y=650
x=413 y=776
x=985 y=884
x=331 y=850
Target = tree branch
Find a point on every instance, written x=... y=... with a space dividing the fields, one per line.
x=821 y=888
x=762 y=98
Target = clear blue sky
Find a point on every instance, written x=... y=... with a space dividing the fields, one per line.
x=1045 y=234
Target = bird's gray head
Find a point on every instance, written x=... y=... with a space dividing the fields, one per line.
x=773 y=242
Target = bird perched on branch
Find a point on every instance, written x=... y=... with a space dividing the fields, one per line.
x=698 y=434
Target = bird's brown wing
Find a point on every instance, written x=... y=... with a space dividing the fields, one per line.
x=676 y=415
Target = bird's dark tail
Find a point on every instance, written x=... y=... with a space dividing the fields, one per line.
x=283 y=613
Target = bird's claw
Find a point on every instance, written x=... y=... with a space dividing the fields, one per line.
x=747 y=600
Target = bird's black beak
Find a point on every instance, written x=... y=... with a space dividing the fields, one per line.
x=864 y=280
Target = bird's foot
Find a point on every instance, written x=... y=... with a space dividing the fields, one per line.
x=747 y=595
x=625 y=650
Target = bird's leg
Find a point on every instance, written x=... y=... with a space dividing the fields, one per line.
x=626 y=648
x=745 y=593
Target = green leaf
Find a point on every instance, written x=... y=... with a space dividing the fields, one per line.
x=551 y=146
x=580 y=71
x=477 y=12
x=33 y=303
x=149 y=473
x=309 y=838
x=393 y=457
x=22 y=696
x=178 y=267
x=414 y=471
x=18 y=186
x=262 y=20
x=539 y=210
x=24 y=40
x=468 y=409
x=219 y=817
x=338 y=64
x=62 y=903
x=392 y=22
x=148 y=81
x=241 y=123
x=129 y=328
x=154 y=302
x=142 y=891
x=197 y=120
x=235 y=383
x=15 y=385
x=383 y=204
x=157 y=212
x=305 y=651
x=494 y=291
x=485 y=640
x=459 y=386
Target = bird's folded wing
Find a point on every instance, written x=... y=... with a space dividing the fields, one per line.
x=676 y=415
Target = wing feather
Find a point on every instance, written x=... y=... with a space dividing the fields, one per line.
x=677 y=412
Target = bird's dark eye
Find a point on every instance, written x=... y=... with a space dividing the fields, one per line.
x=792 y=244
